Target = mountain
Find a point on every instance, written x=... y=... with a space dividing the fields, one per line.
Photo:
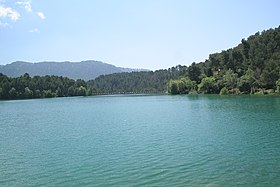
x=85 y=70
x=252 y=67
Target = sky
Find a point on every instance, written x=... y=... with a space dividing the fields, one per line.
x=150 y=34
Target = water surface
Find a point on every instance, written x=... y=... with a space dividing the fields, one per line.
x=140 y=140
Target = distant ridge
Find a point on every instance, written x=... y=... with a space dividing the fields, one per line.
x=85 y=70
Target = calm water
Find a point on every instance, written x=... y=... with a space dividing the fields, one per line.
x=194 y=140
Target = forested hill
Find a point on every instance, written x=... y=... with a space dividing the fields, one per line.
x=136 y=82
x=250 y=67
x=26 y=87
x=85 y=70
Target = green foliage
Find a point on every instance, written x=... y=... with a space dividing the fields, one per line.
x=181 y=86
x=270 y=73
x=48 y=94
x=89 y=92
x=28 y=93
x=194 y=72
x=26 y=87
x=189 y=84
x=13 y=93
x=251 y=67
x=136 y=82
x=224 y=91
x=59 y=92
x=81 y=91
x=230 y=79
x=208 y=85
x=173 y=87
x=246 y=82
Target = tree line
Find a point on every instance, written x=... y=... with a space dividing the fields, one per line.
x=251 y=67
x=136 y=82
x=26 y=87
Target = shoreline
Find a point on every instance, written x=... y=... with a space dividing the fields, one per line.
x=144 y=93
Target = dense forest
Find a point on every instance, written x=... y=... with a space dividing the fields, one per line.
x=136 y=82
x=26 y=87
x=252 y=67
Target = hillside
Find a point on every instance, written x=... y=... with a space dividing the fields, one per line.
x=251 y=67
x=136 y=82
x=85 y=70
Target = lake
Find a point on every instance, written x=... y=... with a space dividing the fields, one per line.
x=141 y=140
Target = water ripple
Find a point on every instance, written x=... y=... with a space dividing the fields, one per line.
x=202 y=141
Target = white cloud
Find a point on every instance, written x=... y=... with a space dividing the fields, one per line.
x=34 y=30
x=41 y=15
x=9 y=12
x=26 y=4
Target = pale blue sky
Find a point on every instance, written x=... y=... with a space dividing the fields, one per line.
x=153 y=34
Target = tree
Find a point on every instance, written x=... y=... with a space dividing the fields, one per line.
x=230 y=79
x=194 y=72
x=59 y=92
x=28 y=93
x=181 y=86
x=215 y=60
x=37 y=94
x=246 y=48
x=189 y=84
x=173 y=87
x=246 y=82
x=81 y=91
x=71 y=91
x=5 y=89
x=13 y=93
x=26 y=87
x=208 y=85
x=48 y=94
x=89 y=92
x=270 y=73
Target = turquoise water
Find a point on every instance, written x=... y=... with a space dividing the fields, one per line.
x=191 y=140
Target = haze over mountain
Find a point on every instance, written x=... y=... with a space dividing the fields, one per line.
x=85 y=70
